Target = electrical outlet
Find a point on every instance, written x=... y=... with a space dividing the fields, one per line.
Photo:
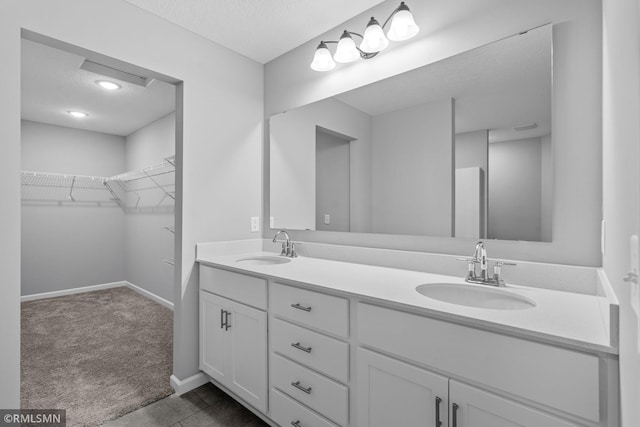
x=272 y=222
x=255 y=224
x=327 y=219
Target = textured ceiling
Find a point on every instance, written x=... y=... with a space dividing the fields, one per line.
x=497 y=86
x=53 y=83
x=259 y=29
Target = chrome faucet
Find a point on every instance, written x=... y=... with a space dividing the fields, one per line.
x=480 y=257
x=288 y=247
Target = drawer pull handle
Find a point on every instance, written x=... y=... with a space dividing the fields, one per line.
x=301 y=307
x=454 y=414
x=222 y=325
x=299 y=347
x=296 y=423
x=299 y=387
x=438 y=422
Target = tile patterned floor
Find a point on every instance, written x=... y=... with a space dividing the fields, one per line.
x=205 y=406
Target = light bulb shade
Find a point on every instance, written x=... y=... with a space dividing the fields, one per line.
x=346 y=51
x=374 y=39
x=403 y=26
x=322 y=60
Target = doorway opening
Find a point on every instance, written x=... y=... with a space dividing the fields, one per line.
x=99 y=230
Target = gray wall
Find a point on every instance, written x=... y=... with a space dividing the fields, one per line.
x=412 y=172
x=515 y=190
x=577 y=74
x=332 y=182
x=219 y=149
x=146 y=240
x=70 y=246
x=621 y=152
x=293 y=158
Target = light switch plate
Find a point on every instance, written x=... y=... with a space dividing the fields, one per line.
x=255 y=224
x=272 y=222
x=327 y=219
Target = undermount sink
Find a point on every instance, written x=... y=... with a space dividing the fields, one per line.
x=475 y=296
x=264 y=260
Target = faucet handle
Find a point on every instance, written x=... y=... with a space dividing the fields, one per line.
x=500 y=263
x=497 y=271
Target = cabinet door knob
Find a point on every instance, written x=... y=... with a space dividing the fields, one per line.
x=454 y=415
x=438 y=422
x=299 y=347
x=301 y=307
x=299 y=387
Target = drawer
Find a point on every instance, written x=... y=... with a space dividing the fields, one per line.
x=559 y=378
x=325 y=312
x=327 y=355
x=235 y=286
x=287 y=412
x=325 y=396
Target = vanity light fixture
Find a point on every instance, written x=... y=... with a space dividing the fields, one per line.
x=403 y=27
x=78 y=114
x=106 y=84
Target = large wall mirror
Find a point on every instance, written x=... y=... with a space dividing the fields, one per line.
x=461 y=148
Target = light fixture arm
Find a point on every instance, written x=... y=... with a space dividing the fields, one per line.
x=363 y=55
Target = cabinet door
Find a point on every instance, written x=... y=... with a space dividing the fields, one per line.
x=478 y=408
x=248 y=354
x=213 y=337
x=394 y=393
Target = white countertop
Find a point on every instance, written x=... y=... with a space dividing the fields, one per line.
x=566 y=318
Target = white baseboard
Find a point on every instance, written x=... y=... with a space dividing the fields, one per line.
x=92 y=288
x=63 y=292
x=188 y=384
x=149 y=295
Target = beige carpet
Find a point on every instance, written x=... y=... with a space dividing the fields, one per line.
x=98 y=354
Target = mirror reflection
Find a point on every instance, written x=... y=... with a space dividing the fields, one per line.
x=461 y=147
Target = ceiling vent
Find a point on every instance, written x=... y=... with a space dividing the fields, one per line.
x=114 y=73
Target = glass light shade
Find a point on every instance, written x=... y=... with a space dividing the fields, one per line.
x=403 y=27
x=374 y=39
x=322 y=60
x=346 y=51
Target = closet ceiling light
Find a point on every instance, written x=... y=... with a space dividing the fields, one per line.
x=106 y=84
x=77 y=114
x=403 y=27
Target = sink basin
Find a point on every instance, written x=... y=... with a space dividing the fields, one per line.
x=264 y=260
x=475 y=296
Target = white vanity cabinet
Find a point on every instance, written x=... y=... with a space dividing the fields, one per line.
x=309 y=360
x=233 y=334
x=559 y=379
x=391 y=392
x=331 y=357
x=473 y=407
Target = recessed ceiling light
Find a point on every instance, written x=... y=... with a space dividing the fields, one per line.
x=78 y=114
x=106 y=84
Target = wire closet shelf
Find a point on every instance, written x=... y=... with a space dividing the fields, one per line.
x=43 y=187
x=148 y=189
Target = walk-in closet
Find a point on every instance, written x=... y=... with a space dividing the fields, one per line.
x=97 y=232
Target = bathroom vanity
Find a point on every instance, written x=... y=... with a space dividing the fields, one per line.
x=313 y=342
